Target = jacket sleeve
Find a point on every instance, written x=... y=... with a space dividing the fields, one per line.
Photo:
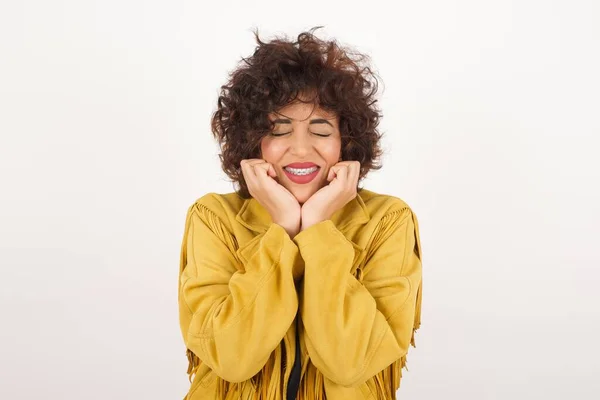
x=356 y=329
x=234 y=314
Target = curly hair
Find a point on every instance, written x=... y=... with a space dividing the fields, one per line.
x=278 y=73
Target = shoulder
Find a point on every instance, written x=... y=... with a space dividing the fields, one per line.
x=388 y=213
x=222 y=206
x=380 y=205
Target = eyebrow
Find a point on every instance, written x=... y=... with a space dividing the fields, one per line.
x=312 y=121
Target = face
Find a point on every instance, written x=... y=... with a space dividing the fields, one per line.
x=303 y=133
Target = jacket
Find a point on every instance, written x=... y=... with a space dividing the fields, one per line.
x=351 y=285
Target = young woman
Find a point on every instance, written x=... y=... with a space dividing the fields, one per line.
x=300 y=284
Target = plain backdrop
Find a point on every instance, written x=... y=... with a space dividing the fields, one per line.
x=490 y=114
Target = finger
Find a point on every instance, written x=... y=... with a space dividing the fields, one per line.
x=345 y=172
x=331 y=174
x=353 y=176
x=354 y=172
x=247 y=168
x=259 y=161
x=271 y=171
x=249 y=176
x=261 y=168
x=263 y=172
x=268 y=167
x=336 y=172
x=254 y=161
x=333 y=171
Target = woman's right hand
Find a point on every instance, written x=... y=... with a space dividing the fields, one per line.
x=276 y=199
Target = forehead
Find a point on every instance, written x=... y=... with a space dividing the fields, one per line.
x=298 y=111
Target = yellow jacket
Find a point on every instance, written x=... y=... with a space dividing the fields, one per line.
x=351 y=285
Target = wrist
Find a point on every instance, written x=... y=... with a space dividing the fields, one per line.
x=291 y=228
x=307 y=223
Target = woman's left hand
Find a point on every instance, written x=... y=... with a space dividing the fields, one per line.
x=343 y=178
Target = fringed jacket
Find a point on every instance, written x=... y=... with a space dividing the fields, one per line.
x=351 y=285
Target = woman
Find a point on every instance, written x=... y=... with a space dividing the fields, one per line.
x=300 y=284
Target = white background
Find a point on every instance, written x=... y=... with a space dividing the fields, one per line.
x=492 y=133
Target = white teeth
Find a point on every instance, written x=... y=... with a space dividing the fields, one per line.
x=301 y=171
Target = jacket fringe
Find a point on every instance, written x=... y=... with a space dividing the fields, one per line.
x=312 y=386
x=193 y=364
x=268 y=383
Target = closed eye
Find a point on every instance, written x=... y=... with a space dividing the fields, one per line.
x=281 y=134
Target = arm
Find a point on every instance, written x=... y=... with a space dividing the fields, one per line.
x=233 y=316
x=356 y=329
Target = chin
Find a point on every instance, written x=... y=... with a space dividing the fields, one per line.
x=303 y=192
x=302 y=196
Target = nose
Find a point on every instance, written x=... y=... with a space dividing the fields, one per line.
x=301 y=144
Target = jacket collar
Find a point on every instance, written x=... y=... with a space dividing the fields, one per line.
x=255 y=217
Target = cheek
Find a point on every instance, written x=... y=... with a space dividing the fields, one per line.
x=271 y=151
x=331 y=152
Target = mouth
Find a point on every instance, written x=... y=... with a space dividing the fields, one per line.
x=301 y=165
x=301 y=175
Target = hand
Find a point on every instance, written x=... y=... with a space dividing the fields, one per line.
x=281 y=204
x=343 y=178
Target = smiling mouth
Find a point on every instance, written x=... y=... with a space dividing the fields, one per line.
x=303 y=176
x=302 y=171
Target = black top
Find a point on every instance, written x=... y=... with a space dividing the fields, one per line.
x=294 y=382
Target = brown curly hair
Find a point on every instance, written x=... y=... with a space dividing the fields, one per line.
x=282 y=71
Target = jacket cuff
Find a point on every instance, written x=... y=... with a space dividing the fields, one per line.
x=323 y=236
x=274 y=244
